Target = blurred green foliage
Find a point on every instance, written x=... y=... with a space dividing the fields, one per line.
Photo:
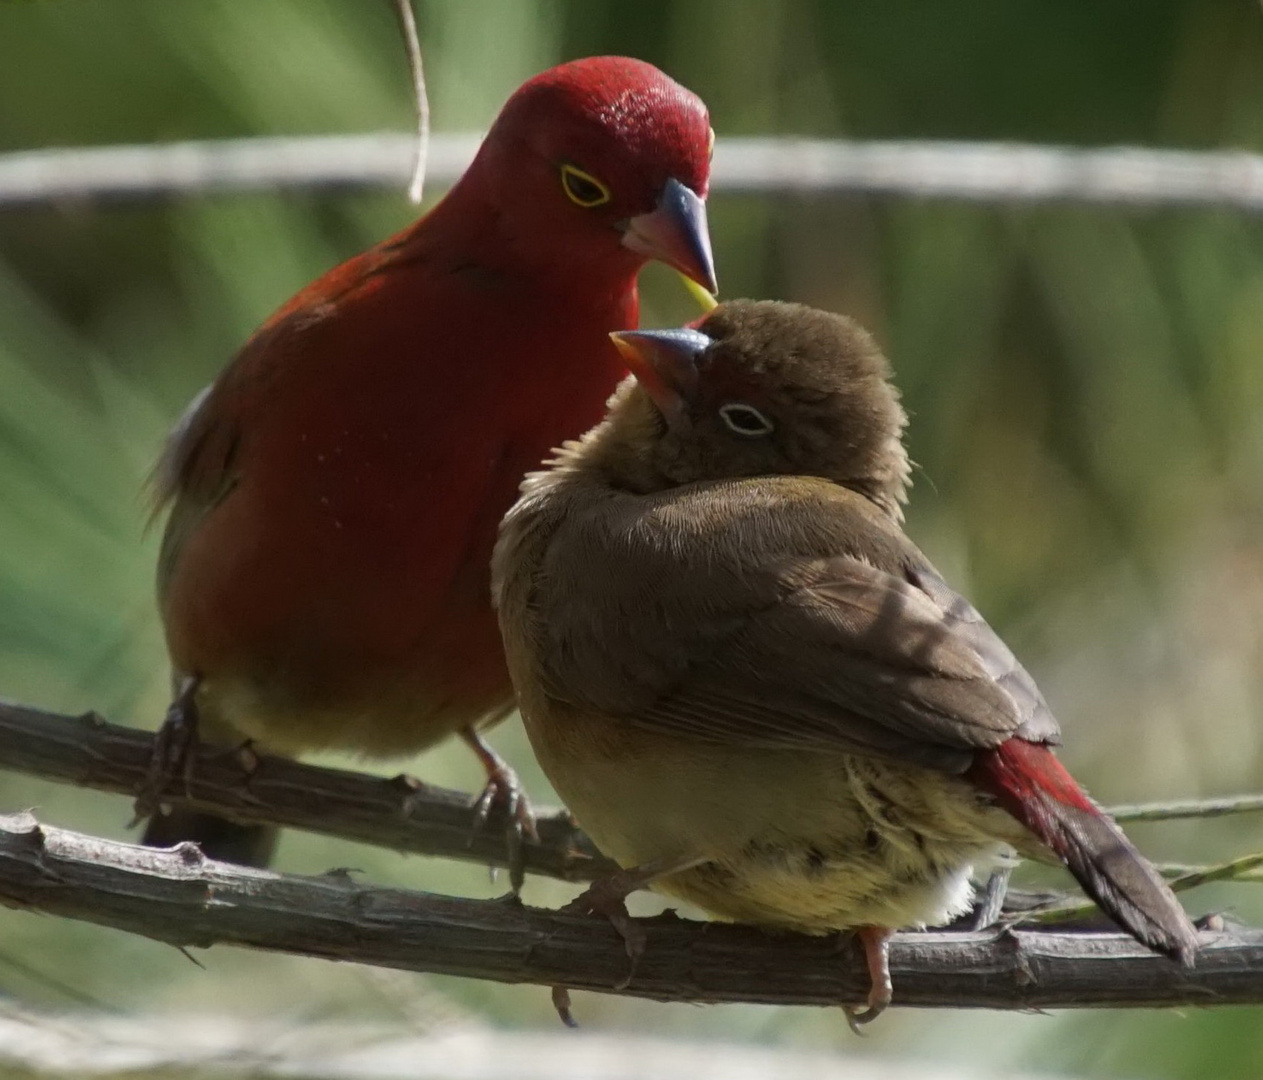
x=1086 y=388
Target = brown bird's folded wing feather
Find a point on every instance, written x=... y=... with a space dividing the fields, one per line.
x=762 y=646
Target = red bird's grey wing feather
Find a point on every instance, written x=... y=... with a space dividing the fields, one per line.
x=194 y=473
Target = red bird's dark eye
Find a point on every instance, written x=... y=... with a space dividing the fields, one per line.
x=583 y=189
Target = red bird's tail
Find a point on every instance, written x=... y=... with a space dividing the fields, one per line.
x=1030 y=783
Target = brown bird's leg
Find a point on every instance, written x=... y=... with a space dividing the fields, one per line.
x=876 y=942
x=503 y=790
x=607 y=896
x=175 y=745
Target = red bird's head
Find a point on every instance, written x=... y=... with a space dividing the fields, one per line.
x=600 y=164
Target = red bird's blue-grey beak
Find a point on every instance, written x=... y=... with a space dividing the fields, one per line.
x=675 y=232
x=665 y=364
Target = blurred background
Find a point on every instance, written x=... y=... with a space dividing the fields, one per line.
x=1085 y=385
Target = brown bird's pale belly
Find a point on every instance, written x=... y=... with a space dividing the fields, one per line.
x=807 y=841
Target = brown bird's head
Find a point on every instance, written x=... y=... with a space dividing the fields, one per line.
x=758 y=388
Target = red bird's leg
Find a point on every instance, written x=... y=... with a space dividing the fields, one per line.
x=503 y=791
x=876 y=943
x=175 y=745
x=608 y=896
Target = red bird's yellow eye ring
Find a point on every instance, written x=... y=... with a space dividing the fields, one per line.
x=582 y=188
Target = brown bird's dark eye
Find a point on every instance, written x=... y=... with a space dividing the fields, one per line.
x=745 y=420
x=583 y=189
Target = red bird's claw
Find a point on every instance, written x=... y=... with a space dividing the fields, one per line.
x=174 y=751
x=503 y=796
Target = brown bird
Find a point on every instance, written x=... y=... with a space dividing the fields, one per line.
x=750 y=687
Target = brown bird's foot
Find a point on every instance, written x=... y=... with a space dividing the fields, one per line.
x=175 y=748
x=876 y=942
x=504 y=797
x=608 y=896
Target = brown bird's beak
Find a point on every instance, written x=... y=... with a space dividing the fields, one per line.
x=665 y=364
x=675 y=232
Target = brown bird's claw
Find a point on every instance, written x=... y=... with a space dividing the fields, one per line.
x=504 y=797
x=175 y=748
x=876 y=943
x=561 y=1002
x=608 y=897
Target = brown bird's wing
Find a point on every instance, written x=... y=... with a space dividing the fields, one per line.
x=770 y=648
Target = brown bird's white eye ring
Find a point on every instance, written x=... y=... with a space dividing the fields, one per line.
x=745 y=420
x=583 y=189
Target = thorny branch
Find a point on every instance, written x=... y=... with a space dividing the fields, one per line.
x=399 y=814
x=995 y=173
x=180 y=897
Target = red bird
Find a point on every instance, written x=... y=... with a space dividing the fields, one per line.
x=323 y=579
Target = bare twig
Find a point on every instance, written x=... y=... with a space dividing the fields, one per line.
x=88 y=752
x=978 y=172
x=1187 y=808
x=1176 y=870
x=1238 y=869
x=182 y=898
x=407 y=17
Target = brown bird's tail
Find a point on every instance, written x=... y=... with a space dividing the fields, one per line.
x=227 y=841
x=1031 y=784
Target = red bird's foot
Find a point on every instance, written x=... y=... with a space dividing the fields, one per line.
x=504 y=799
x=175 y=747
x=876 y=943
